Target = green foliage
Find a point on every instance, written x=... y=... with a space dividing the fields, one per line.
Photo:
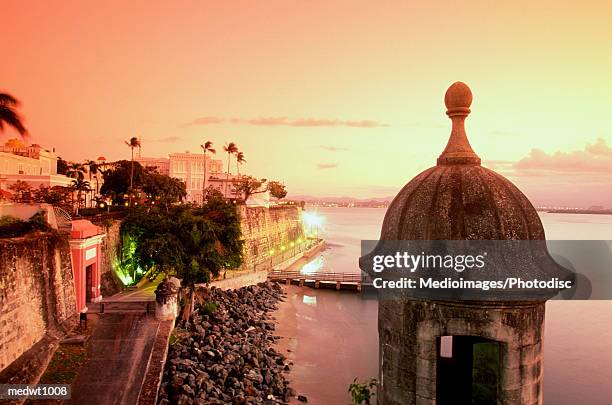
x=11 y=227
x=56 y=195
x=485 y=373
x=362 y=392
x=117 y=179
x=62 y=166
x=9 y=116
x=249 y=185
x=22 y=191
x=162 y=189
x=191 y=244
x=277 y=189
x=208 y=308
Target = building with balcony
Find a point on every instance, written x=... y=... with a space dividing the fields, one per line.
x=30 y=163
x=190 y=169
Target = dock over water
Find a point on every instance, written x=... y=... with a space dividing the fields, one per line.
x=348 y=281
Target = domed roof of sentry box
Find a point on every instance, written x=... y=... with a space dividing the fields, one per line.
x=458 y=198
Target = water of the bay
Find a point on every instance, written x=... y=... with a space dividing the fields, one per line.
x=336 y=337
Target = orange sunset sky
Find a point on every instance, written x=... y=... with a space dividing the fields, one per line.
x=340 y=98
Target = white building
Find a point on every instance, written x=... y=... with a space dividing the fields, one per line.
x=189 y=168
x=30 y=163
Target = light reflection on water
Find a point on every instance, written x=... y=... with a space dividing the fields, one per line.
x=308 y=300
x=313 y=266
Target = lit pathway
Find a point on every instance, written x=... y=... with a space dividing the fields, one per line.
x=145 y=292
x=119 y=351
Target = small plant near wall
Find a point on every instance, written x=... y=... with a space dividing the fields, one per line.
x=362 y=392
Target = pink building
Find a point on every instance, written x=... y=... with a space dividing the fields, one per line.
x=85 y=245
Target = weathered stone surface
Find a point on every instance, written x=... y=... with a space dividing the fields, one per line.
x=267 y=228
x=459 y=200
x=36 y=291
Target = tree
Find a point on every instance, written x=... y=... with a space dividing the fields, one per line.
x=80 y=186
x=93 y=169
x=56 y=195
x=277 y=189
x=206 y=147
x=132 y=143
x=163 y=190
x=230 y=148
x=117 y=179
x=212 y=193
x=239 y=160
x=249 y=185
x=76 y=171
x=62 y=166
x=22 y=191
x=9 y=114
x=192 y=244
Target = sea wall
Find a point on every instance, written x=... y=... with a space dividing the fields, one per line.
x=36 y=291
x=268 y=229
x=243 y=280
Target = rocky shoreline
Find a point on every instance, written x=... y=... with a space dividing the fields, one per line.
x=226 y=353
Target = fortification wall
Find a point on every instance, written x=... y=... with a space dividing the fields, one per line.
x=110 y=284
x=268 y=229
x=36 y=291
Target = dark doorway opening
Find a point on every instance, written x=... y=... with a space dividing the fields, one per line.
x=468 y=371
x=88 y=282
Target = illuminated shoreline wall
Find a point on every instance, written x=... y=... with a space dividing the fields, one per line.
x=268 y=232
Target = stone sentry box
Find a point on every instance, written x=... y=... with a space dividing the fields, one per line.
x=438 y=351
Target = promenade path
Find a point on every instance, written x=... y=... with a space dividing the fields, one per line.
x=118 y=353
x=119 y=349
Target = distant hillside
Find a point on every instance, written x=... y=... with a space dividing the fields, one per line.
x=340 y=200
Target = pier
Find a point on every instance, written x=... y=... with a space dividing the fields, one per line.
x=349 y=281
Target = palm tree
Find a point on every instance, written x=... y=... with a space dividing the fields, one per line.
x=132 y=143
x=93 y=169
x=239 y=160
x=9 y=114
x=80 y=185
x=76 y=171
x=206 y=147
x=230 y=148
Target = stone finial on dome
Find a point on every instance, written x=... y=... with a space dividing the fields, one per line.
x=458 y=151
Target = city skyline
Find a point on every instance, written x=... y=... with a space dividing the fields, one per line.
x=330 y=109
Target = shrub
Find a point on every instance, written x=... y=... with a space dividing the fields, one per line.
x=208 y=308
x=11 y=227
x=362 y=392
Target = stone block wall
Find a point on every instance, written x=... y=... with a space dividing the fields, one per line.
x=110 y=284
x=265 y=228
x=242 y=280
x=36 y=291
x=408 y=353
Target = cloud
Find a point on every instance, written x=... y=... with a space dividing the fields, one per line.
x=594 y=159
x=334 y=148
x=287 y=122
x=327 y=165
x=204 y=121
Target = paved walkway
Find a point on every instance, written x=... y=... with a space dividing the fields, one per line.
x=119 y=352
